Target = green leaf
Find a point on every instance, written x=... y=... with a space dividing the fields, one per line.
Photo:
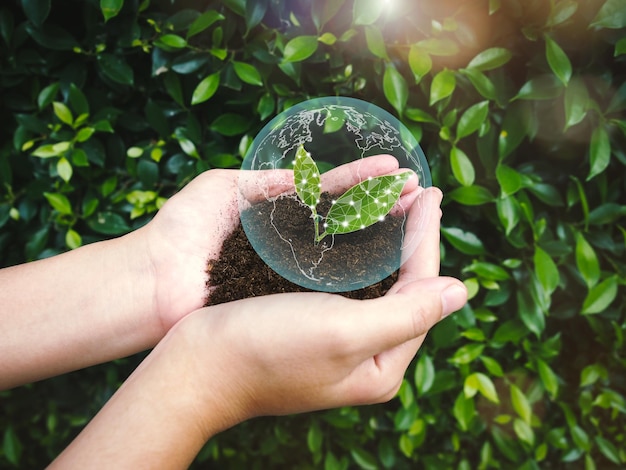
x=479 y=382
x=424 y=374
x=366 y=12
x=467 y=353
x=306 y=177
x=323 y=12
x=364 y=459
x=611 y=15
x=116 y=69
x=472 y=195
x=544 y=87
x=315 y=438
x=230 y=124
x=47 y=95
x=419 y=115
x=248 y=73
x=365 y=203
x=530 y=311
x=62 y=112
x=265 y=107
x=489 y=59
x=509 y=179
x=203 y=22
x=472 y=118
x=464 y=411
x=419 y=62
x=72 y=239
x=36 y=10
x=110 y=8
x=508 y=212
x=488 y=271
x=395 y=88
x=524 y=432
x=64 y=169
x=546 y=270
x=609 y=450
x=11 y=446
x=620 y=47
x=599 y=152
x=462 y=167
x=548 y=378
x=483 y=84
x=465 y=242
x=108 y=223
x=576 y=102
x=300 y=48
x=442 y=86
x=206 y=88
x=587 y=261
x=558 y=60
x=375 y=42
x=255 y=12
x=439 y=47
x=520 y=403
x=600 y=296
x=562 y=11
x=59 y=202
x=170 y=42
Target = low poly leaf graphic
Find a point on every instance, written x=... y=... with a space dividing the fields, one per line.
x=306 y=178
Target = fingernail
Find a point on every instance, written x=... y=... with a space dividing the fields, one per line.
x=453 y=298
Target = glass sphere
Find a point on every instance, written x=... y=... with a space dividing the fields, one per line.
x=351 y=142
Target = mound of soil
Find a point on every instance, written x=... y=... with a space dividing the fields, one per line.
x=240 y=273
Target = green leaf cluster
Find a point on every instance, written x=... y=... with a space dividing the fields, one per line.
x=520 y=107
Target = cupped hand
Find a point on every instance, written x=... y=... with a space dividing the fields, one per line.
x=289 y=353
x=191 y=227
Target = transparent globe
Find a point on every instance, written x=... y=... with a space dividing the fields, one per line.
x=352 y=143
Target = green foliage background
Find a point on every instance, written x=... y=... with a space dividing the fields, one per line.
x=110 y=106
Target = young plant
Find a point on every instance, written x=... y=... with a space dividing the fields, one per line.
x=362 y=205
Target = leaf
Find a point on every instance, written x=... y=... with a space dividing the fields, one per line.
x=300 y=48
x=608 y=449
x=72 y=239
x=530 y=312
x=206 y=88
x=116 y=69
x=587 y=261
x=472 y=118
x=611 y=15
x=548 y=378
x=248 y=73
x=479 y=382
x=472 y=195
x=255 y=12
x=464 y=411
x=508 y=212
x=230 y=124
x=620 y=47
x=110 y=8
x=64 y=169
x=521 y=404
x=63 y=113
x=600 y=296
x=562 y=11
x=170 y=42
x=306 y=177
x=439 y=47
x=576 y=102
x=11 y=446
x=462 y=167
x=509 y=179
x=488 y=271
x=424 y=374
x=395 y=88
x=366 y=12
x=323 y=12
x=599 y=152
x=546 y=270
x=365 y=203
x=59 y=202
x=524 y=432
x=558 y=60
x=442 y=86
x=108 y=223
x=419 y=62
x=465 y=242
x=36 y=10
x=467 y=353
x=543 y=87
x=375 y=42
x=483 y=84
x=203 y=22
x=489 y=59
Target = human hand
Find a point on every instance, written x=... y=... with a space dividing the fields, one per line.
x=289 y=353
x=191 y=227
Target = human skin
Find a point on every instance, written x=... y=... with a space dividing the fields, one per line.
x=114 y=298
x=273 y=355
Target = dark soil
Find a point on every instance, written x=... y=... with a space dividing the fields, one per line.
x=239 y=272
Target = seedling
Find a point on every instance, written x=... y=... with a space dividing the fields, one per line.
x=362 y=205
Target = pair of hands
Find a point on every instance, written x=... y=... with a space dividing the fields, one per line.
x=289 y=353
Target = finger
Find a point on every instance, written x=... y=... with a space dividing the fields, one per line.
x=412 y=312
x=260 y=185
x=420 y=250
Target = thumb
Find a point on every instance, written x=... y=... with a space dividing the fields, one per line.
x=410 y=312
